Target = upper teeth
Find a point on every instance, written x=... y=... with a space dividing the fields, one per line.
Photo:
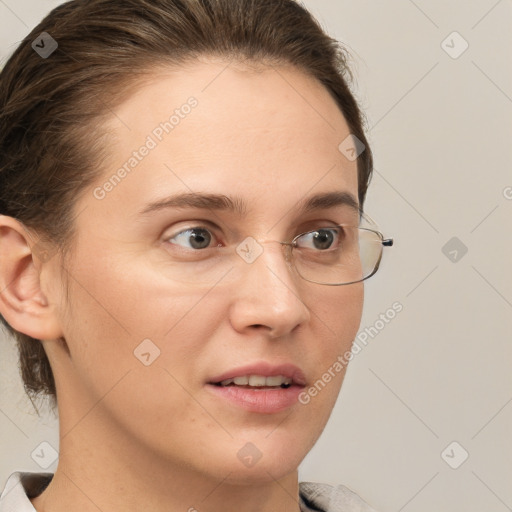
x=257 y=380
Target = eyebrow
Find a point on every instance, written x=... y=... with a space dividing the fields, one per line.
x=236 y=204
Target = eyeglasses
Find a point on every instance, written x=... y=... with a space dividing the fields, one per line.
x=331 y=255
x=353 y=259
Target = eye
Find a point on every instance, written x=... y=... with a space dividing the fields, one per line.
x=197 y=237
x=320 y=239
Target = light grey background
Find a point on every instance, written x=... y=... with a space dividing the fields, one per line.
x=439 y=372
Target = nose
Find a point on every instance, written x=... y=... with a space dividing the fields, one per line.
x=268 y=294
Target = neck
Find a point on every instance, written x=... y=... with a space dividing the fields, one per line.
x=101 y=471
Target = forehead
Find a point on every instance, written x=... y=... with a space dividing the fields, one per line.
x=268 y=131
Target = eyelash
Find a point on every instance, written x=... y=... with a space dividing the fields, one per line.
x=191 y=228
x=211 y=230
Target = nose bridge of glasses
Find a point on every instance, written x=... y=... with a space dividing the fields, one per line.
x=251 y=249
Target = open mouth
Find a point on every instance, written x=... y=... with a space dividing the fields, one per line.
x=257 y=382
x=261 y=388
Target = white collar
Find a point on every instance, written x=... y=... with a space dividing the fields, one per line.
x=20 y=487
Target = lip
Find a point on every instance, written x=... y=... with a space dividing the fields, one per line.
x=265 y=369
x=264 y=400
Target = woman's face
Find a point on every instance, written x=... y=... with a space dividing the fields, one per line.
x=152 y=324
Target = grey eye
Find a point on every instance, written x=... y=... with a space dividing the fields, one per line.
x=197 y=238
x=321 y=239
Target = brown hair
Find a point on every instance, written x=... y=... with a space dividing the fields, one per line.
x=51 y=108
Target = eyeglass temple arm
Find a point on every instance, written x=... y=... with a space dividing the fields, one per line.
x=387 y=242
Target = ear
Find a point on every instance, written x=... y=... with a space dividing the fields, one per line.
x=22 y=302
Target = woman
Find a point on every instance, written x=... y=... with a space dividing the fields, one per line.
x=182 y=185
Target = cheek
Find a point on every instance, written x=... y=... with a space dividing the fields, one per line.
x=117 y=317
x=337 y=316
x=138 y=346
x=338 y=310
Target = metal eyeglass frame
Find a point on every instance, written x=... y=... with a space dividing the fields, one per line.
x=386 y=242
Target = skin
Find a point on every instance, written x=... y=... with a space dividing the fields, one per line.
x=136 y=437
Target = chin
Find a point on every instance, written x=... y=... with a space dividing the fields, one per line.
x=263 y=472
x=264 y=458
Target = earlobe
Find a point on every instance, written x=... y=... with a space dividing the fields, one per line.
x=22 y=302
